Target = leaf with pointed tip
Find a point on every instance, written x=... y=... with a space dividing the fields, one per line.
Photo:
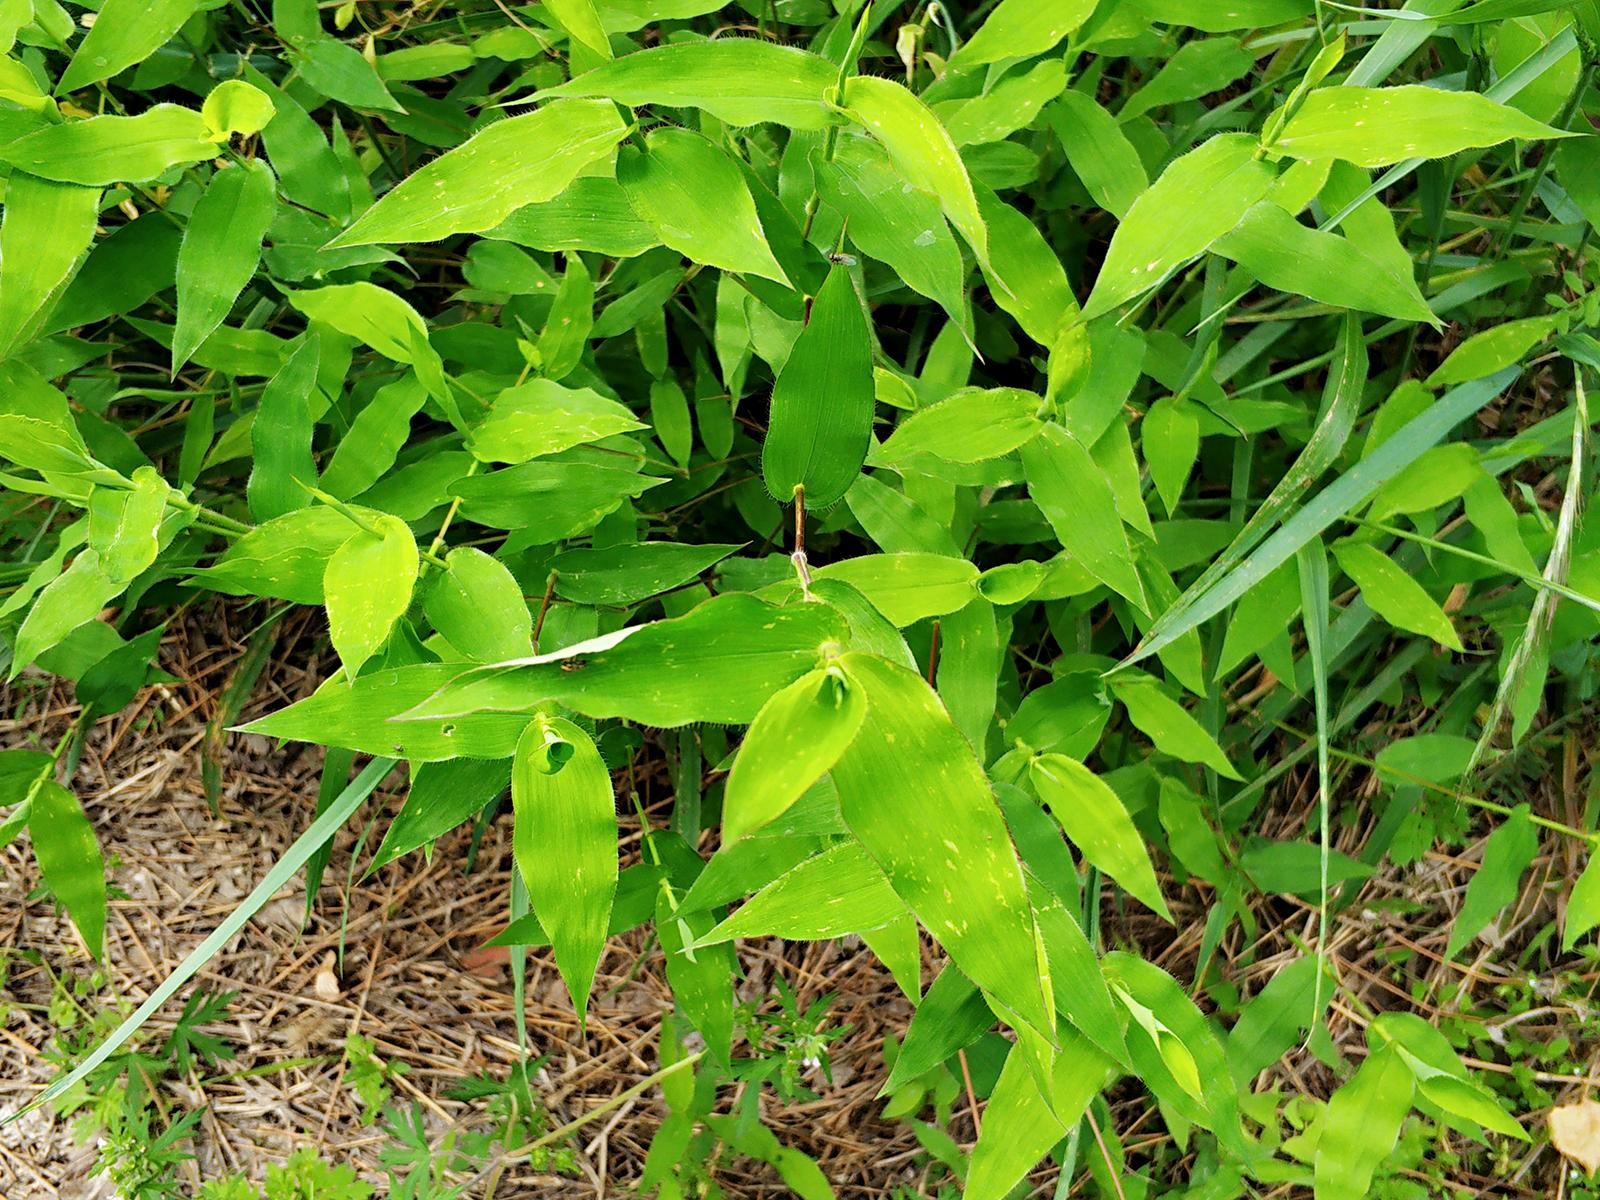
x=367 y=588
x=220 y=251
x=1097 y=822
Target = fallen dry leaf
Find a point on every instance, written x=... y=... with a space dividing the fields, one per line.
x=1575 y=1131
x=326 y=984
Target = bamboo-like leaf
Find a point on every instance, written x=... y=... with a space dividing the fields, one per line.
x=220 y=252
x=565 y=844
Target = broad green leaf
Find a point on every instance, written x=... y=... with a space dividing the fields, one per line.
x=1491 y=350
x=739 y=868
x=1101 y=154
x=477 y=605
x=721 y=663
x=71 y=599
x=36 y=425
x=951 y=1016
x=1442 y=476
x=1583 y=905
x=1339 y=498
x=125 y=524
x=342 y=73
x=1021 y=29
x=1080 y=989
x=967 y=675
x=1065 y=716
x=280 y=437
x=1373 y=127
x=840 y=891
x=546 y=501
x=282 y=558
x=375 y=439
x=1071 y=491
x=741 y=81
x=45 y=232
x=582 y=22
x=236 y=107
x=220 y=251
x=368 y=714
x=1291 y=257
x=1021 y=1123
x=566 y=331
x=895 y=223
x=908 y=587
x=1361 y=1125
x=638 y=889
x=669 y=417
x=1168 y=724
x=1196 y=200
x=1098 y=824
x=821 y=420
x=1467 y=1100
x=1170 y=439
x=795 y=739
x=696 y=199
x=620 y=575
x=921 y=149
x=442 y=796
x=593 y=213
x=367 y=588
x=1272 y=1023
x=1025 y=277
x=1393 y=594
x=1506 y=855
x=1222 y=16
x=959 y=873
x=521 y=160
x=1001 y=110
x=106 y=150
x=1197 y=68
x=124 y=33
x=69 y=859
x=565 y=844
x=543 y=417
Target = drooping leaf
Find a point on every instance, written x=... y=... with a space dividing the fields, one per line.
x=840 y=891
x=821 y=422
x=1098 y=824
x=958 y=874
x=1196 y=200
x=69 y=859
x=565 y=844
x=1393 y=594
x=697 y=201
x=1506 y=855
x=220 y=251
x=367 y=588
x=795 y=739
x=477 y=605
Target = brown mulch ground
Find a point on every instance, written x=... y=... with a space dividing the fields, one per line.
x=406 y=932
x=409 y=979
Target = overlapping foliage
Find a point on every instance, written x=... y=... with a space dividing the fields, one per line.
x=621 y=366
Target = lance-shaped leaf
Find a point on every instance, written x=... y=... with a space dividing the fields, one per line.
x=582 y=22
x=821 y=420
x=1506 y=855
x=1373 y=127
x=367 y=588
x=1097 y=822
x=627 y=574
x=369 y=714
x=477 y=605
x=1394 y=595
x=921 y=148
x=737 y=80
x=105 y=150
x=795 y=739
x=124 y=32
x=721 y=662
x=125 y=524
x=696 y=199
x=280 y=436
x=893 y=222
x=565 y=844
x=69 y=859
x=913 y=793
x=518 y=161
x=1021 y=29
x=220 y=251
x=1197 y=199
x=442 y=795
x=970 y=425
x=1361 y=1125
x=542 y=417
x=1071 y=490
x=45 y=232
x=1168 y=724
x=840 y=891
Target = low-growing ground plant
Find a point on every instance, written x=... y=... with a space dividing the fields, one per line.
x=1032 y=474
